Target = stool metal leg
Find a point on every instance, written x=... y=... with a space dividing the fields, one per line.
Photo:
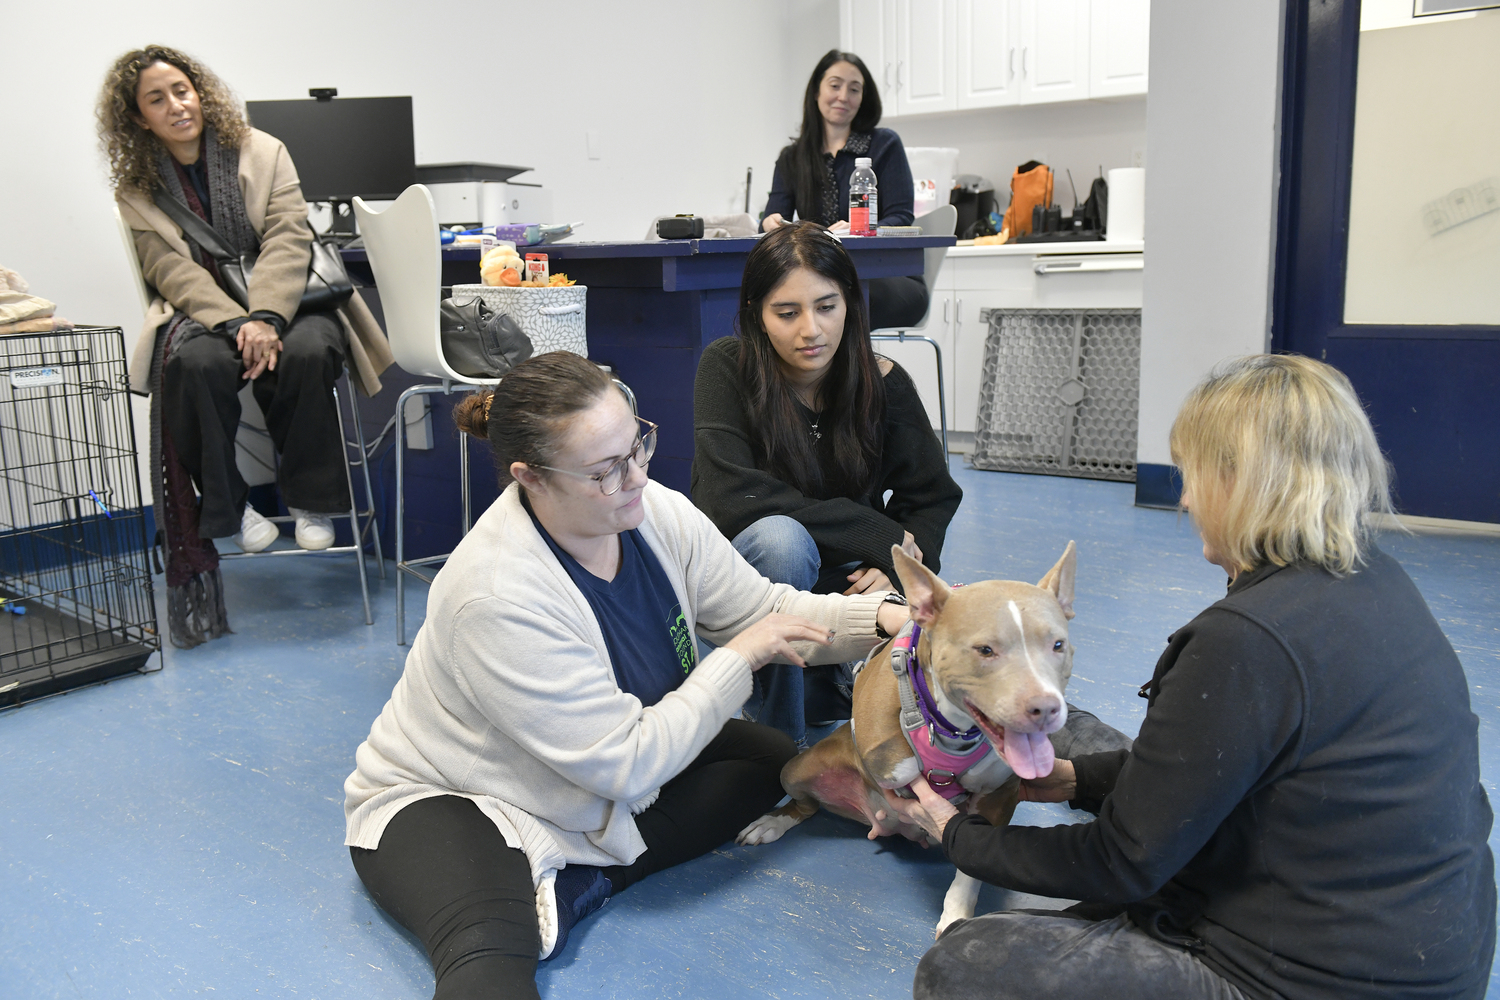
x=359 y=549
x=364 y=468
x=902 y=337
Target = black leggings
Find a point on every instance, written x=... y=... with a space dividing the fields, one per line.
x=445 y=873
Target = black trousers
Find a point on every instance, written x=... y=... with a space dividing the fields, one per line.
x=897 y=303
x=445 y=873
x=201 y=408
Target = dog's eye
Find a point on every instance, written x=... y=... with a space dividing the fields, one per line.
x=984 y=650
x=1057 y=647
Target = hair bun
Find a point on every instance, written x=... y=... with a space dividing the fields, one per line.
x=472 y=413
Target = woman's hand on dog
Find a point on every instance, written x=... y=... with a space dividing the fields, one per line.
x=1061 y=785
x=929 y=810
x=771 y=638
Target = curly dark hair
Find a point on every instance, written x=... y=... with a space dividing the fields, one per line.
x=132 y=149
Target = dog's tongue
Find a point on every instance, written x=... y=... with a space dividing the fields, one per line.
x=1028 y=754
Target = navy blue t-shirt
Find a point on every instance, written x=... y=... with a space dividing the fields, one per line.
x=644 y=628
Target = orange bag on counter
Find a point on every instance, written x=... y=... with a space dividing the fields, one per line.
x=1030 y=185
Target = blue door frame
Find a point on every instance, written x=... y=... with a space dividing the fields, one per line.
x=1433 y=392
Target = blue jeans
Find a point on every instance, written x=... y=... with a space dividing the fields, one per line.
x=782 y=551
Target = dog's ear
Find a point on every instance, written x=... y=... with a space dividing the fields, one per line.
x=925 y=593
x=1059 y=579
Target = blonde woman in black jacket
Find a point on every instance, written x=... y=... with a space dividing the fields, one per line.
x=1301 y=815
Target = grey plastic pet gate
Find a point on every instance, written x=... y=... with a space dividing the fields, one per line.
x=1060 y=392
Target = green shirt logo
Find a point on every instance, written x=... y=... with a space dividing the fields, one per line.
x=682 y=638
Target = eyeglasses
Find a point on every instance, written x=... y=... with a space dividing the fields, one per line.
x=612 y=478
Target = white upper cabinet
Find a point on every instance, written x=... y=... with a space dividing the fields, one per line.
x=868 y=29
x=987 y=54
x=1118 y=46
x=944 y=55
x=926 y=37
x=1054 y=50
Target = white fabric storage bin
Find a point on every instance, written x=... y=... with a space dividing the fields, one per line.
x=554 y=318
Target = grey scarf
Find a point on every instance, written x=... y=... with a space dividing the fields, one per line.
x=226 y=204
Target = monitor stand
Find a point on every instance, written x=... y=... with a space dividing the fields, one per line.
x=341 y=220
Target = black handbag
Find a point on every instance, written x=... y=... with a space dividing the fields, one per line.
x=328 y=284
x=479 y=342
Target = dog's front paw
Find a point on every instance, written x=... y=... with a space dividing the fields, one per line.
x=767 y=829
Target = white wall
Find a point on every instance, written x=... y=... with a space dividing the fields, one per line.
x=684 y=96
x=1212 y=128
x=1080 y=136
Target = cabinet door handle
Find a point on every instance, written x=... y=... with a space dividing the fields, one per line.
x=1023 y=60
x=1012 y=63
x=946 y=304
x=958 y=313
x=898 y=75
x=886 y=76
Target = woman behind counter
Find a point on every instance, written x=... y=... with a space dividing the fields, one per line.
x=840 y=112
x=1302 y=814
x=169 y=125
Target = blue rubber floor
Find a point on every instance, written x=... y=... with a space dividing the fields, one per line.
x=180 y=833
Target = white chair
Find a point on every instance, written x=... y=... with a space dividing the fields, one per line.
x=407 y=260
x=941 y=221
x=355 y=515
x=406 y=257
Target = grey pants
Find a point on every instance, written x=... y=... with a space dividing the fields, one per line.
x=1027 y=955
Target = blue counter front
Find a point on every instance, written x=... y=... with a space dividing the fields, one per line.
x=652 y=309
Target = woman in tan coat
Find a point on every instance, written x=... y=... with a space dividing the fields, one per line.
x=170 y=127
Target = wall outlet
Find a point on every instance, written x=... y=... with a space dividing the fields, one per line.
x=417 y=416
x=1138 y=156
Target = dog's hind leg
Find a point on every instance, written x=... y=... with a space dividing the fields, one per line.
x=826 y=775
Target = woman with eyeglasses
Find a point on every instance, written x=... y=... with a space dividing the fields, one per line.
x=554 y=737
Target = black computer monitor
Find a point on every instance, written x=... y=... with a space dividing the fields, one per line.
x=346 y=146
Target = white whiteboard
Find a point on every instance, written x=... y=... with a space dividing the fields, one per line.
x=1424 y=206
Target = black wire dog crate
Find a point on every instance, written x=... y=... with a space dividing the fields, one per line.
x=76 y=601
x=1060 y=392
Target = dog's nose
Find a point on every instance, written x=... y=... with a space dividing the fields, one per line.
x=1042 y=709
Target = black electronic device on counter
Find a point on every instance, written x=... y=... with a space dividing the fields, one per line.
x=351 y=146
x=680 y=227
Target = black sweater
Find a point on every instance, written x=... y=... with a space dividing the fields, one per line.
x=730 y=486
x=1304 y=797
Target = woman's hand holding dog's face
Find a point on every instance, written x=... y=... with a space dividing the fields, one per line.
x=771 y=638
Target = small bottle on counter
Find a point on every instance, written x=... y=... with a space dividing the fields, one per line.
x=864 y=204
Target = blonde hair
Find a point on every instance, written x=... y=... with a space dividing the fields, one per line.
x=1281 y=463
x=130 y=147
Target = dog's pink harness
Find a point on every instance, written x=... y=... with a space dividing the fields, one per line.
x=925 y=726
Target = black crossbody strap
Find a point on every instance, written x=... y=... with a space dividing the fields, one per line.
x=203 y=234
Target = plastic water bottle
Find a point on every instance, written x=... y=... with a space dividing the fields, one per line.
x=864 y=204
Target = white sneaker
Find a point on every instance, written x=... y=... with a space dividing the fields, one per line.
x=314 y=531
x=255 y=531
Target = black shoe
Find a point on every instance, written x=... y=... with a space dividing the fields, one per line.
x=578 y=891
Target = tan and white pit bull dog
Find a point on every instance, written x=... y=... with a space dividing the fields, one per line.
x=995 y=658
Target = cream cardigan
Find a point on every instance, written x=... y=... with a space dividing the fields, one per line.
x=509 y=699
x=278 y=214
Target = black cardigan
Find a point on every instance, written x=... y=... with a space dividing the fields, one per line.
x=729 y=485
x=897 y=195
x=1303 y=798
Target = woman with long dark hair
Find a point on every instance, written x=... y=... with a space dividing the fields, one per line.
x=840 y=112
x=812 y=454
